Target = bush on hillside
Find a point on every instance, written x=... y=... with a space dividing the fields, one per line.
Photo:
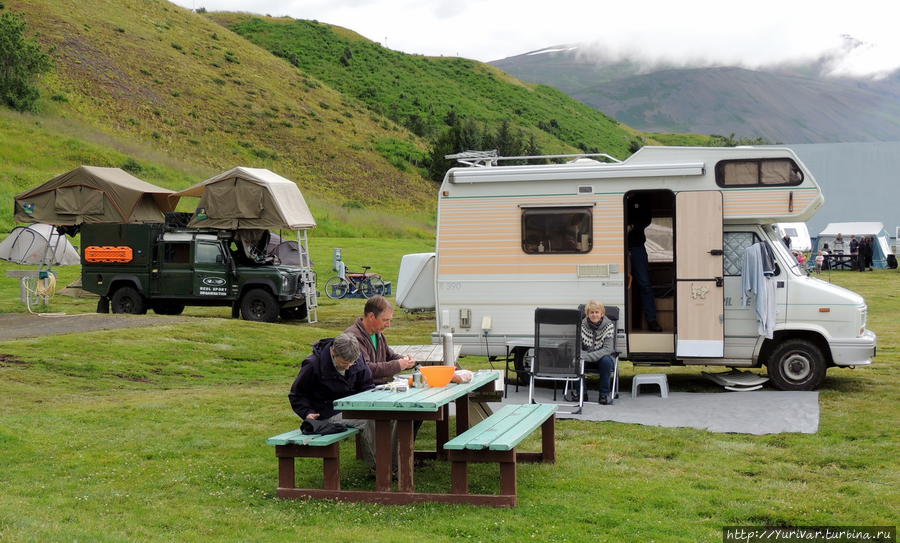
x=22 y=61
x=468 y=135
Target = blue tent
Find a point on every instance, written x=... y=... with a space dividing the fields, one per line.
x=859 y=229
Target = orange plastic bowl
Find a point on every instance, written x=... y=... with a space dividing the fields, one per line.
x=437 y=376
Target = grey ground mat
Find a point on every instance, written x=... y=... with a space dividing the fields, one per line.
x=758 y=412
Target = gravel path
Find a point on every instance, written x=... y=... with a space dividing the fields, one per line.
x=22 y=325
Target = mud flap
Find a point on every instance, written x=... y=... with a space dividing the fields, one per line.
x=235 y=310
x=103 y=305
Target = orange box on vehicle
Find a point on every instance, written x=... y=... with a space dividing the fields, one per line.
x=108 y=254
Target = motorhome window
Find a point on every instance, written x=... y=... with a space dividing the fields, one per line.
x=735 y=245
x=208 y=253
x=757 y=172
x=557 y=230
x=177 y=253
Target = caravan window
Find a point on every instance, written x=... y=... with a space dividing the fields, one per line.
x=758 y=172
x=549 y=230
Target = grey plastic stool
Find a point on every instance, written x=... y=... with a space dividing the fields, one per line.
x=650 y=379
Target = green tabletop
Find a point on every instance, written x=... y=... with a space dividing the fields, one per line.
x=416 y=399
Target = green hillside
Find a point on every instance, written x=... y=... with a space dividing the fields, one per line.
x=420 y=92
x=177 y=96
x=173 y=84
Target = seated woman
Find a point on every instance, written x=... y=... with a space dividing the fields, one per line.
x=597 y=336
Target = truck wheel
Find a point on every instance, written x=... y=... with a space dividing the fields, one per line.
x=258 y=305
x=796 y=364
x=168 y=308
x=128 y=300
x=294 y=313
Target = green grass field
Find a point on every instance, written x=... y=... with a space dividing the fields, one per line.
x=158 y=434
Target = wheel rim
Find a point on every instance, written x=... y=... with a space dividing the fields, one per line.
x=796 y=367
x=257 y=308
x=126 y=305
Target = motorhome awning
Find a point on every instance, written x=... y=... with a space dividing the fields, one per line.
x=573 y=171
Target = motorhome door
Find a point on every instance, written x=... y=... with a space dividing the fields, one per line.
x=699 y=277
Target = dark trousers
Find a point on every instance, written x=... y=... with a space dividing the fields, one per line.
x=640 y=272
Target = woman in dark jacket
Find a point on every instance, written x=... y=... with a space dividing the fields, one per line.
x=597 y=337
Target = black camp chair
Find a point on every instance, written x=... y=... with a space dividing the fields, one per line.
x=557 y=351
x=612 y=312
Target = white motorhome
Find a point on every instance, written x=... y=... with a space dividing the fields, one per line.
x=514 y=238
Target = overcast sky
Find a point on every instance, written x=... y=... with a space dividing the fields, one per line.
x=690 y=32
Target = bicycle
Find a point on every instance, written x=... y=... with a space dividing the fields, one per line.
x=365 y=283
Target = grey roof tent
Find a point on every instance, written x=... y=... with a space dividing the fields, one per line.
x=91 y=194
x=249 y=198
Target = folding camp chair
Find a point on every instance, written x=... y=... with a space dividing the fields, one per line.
x=557 y=351
x=612 y=313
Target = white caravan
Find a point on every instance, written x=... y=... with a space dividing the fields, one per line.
x=514 y=238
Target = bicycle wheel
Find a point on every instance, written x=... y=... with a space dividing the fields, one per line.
x=373 y=286
x=336 y=288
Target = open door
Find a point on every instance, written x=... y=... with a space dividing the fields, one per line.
x=700 y=289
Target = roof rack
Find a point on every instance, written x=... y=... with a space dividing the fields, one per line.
x=485 y=159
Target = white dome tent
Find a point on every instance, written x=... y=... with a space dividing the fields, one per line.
x=30 y=245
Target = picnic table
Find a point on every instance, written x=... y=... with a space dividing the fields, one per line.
x=387 y=406
x=427 y=355
x=836 y=261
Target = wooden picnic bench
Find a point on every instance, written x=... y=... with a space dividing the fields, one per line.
x=294 y=444
x=494 y=440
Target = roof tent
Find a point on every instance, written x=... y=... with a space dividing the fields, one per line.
x=249 y=198
x=90 y=194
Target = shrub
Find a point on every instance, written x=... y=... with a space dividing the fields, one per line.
x=22 y=61
x=132 y=166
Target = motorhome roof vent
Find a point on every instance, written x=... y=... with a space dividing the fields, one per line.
x=585 y=189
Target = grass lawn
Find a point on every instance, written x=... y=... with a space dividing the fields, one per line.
x=158 y=434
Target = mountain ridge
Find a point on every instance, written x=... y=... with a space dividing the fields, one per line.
x=786 y=103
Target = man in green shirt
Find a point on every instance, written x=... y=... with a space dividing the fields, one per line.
x=383 y=362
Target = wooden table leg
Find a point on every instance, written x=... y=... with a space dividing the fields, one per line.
x=548 y=440
x=331 y=467
x=442 y=432
x=405 y=446
x=462 y=414
x=459 y=477
x=383 y=455
x=286 y=472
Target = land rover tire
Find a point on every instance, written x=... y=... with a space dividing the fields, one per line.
x=796 y=364
x=294 y=313
x=168 y=308
x=128 y=300
x=259 y=305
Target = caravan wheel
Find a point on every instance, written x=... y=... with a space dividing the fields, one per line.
x=796 y=364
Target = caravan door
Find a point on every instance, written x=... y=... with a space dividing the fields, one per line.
x=700 y=291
